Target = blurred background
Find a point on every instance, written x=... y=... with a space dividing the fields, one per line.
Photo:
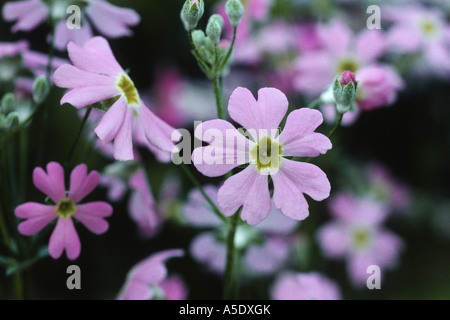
x=410 y=138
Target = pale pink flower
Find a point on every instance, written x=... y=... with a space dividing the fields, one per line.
x=304 y=286
x=249 y=188
x=423 y=32
x=340 y=51
x=142 y=207
x=96 y=76
x=66 y=206
x=111 y=21
x=357 y=235
x=149 y=279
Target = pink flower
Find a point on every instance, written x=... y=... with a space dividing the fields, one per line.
x=111 y=21
x=66 y=207
x=265 y=151
x=304 y=286
x=96 y=76
x=378 y=87
x=357 y=235
x=148 y=279
x=142 y=207
x=421 y=31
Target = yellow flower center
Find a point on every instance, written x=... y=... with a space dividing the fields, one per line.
x=347 y=64
x=266 y=155
x=361 y=238
x=429 y=28
x=66 y=208
x=128 y=89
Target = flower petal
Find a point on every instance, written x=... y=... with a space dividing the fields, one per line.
x=81 y=184
x=64 y=237
x=292 y=180
x=112 y=121
x=111 y=20
x=85 y=96
x=123 y=142
x=266 y=113
x=29 y=14
x=70 y=77
x=248 y=189
x=227 y=148
x=95 y=56
x=298 y=137
x=64 y=35
x=91 y=216
x=52 y=182
x=38 y=217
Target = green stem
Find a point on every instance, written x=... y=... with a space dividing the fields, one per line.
x=202 y=191
x=4 y=229
x=315 y=104
x=230 y=50
x=336 y=126
x=230 y=277
x=219 y=99
x=77 y=140
x=51 y=53
x=19 y=286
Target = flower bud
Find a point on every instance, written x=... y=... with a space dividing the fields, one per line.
x=12 y=120
x=198 y=36
x=345 y=89
x=214 y=28
x=41 y=90
x=8 y=103
x=235 y=11
x=191 y=13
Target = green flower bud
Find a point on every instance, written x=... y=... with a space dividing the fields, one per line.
x=235 y=11
x=198 y=36
x=12 y=120
x=191 y=13
x=8 y=103
x=214 y=28
x=41 y=89
x=345 y=88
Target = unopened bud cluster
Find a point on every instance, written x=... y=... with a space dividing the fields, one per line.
x=345 y=88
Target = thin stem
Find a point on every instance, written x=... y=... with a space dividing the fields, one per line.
x=19 y=285
x=51 y=52
x=202 y=191
x=230 y=50
x=315 y=104
x=4 y=229
x=230 y=283
x=75 y=143
x=219 y=99
x=336 y=126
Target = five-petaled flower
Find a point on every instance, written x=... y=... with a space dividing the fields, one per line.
x=96 y=76
x=267 y=151
x=66 y=206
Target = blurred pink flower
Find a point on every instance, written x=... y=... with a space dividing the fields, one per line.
x=249 y=188
x=422 y=31
x=96 y=76
x=304 y=286
x=142 y=207
x=148 y=279
x=356 y=234
x=66 y=207
x=386 y=188
x=111 y=21
x=269 y=254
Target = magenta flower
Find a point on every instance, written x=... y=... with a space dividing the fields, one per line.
x=66 y=207
x=96 y=76
x=148 y=279
x=111 y=21
x=357 y=235
x=266 y=152
x=304 y=286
